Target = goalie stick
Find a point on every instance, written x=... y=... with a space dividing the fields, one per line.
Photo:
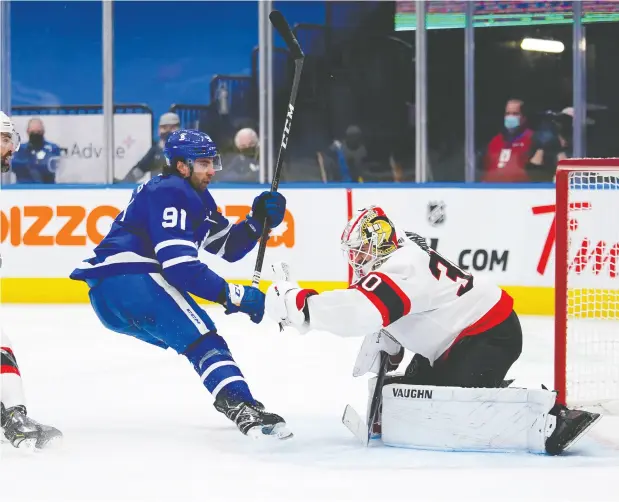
x=283 y=28
x=353 y=421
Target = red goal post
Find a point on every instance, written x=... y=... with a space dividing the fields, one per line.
x=587 y=282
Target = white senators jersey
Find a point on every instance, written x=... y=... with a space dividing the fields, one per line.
x=419 y=297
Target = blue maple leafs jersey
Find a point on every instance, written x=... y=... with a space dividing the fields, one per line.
x=161 y=230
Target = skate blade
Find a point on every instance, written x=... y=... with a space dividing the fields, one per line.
x=28 y=445
x=54 y=443
x=281 y=431
x=278 y=431
x=582 y=433
x=25 y=444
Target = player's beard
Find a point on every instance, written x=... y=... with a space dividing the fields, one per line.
x=205 y=183
x=5 y=162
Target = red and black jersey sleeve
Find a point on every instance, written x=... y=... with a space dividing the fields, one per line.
x=8 y=363
x=385 y=295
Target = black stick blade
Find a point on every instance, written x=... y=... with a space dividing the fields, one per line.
x=283 y=28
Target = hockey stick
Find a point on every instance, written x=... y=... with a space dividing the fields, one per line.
x=282 y=27
x=353 y=421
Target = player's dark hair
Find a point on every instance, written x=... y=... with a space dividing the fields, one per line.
x=172 y=168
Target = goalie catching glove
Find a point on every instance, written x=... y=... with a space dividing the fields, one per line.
x=286 y=303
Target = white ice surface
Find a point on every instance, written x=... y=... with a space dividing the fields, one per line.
x=139 y=426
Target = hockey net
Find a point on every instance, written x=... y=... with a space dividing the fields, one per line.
x=587 y=283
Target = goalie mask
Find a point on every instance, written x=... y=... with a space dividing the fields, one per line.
x=369 y=239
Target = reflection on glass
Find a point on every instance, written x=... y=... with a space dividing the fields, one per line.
x=522 y=96
x=56 y=58
x=602 y=121
x=355 y=113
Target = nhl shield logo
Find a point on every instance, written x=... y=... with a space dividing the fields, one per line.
x=436 y=213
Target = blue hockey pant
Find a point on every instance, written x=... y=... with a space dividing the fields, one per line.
x=149 y=308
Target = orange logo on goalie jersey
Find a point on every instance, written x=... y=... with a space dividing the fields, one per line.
x=59 y=225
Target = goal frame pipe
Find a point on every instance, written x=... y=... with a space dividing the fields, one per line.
x=561 y=269
x=561 y=228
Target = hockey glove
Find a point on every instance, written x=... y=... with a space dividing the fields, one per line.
x=286 y=303
x=246 y=299
x=269 y=205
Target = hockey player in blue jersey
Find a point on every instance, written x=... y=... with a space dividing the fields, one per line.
x=144 y=269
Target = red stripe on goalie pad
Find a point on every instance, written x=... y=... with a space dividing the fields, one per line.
x=7 y=349
x=5 y=368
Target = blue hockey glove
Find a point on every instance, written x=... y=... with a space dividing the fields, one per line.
x=271 y=205
x=246 y=299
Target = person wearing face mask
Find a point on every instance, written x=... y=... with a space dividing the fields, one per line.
x=244 y=165
x=34 y=161
x=509 y=152
x=154 y=160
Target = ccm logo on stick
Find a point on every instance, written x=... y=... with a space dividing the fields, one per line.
x=54 y=225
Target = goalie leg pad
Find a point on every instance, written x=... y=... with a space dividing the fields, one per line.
x=467 y=419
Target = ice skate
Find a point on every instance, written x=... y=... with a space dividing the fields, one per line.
x=571 y=426
x=23 y=432
x=252 y=420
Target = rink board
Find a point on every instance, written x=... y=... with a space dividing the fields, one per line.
x=503 y=234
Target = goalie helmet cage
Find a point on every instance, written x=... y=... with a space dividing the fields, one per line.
x=587 y=283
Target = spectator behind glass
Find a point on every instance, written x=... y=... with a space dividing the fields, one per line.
x=509 y=151
x=35 y=161
x=348 y=160
x=242 y=166
x=154 y=161
x=552 y=142
x=351 y=154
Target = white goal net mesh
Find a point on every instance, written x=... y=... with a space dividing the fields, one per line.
x=592 y=338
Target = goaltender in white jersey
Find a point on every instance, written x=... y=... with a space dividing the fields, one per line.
x=463 y=331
